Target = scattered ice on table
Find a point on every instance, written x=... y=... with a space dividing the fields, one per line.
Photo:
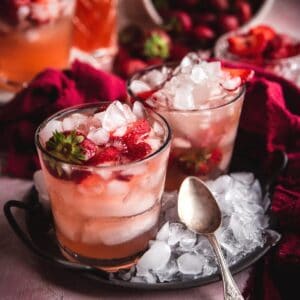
x=179 y=254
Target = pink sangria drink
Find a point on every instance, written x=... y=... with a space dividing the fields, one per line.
x=34 y=35
x=202 y=103
x=104 y=168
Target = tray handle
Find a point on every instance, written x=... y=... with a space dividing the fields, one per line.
x=8 y=206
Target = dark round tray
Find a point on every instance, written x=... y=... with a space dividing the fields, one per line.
x=39 y=237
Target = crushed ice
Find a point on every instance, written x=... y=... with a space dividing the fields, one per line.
x=179 y=254
x=194 y=84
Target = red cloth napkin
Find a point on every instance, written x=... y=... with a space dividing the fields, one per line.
x=271 y=121
x=49 y=92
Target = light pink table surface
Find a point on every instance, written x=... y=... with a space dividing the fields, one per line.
x=23 y=276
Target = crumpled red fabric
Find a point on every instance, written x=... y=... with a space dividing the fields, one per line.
x=51 y=91
x=270 y=121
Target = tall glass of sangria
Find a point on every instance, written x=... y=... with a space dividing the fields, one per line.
x=33 y=35
x=202 y=102
x=95 y=29
x=104 y=168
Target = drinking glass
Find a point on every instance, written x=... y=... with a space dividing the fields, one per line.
x=105 y=215
x=33 y=36
x=95 y=29
x=203 y=139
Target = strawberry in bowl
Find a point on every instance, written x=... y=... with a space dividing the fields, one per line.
x=263 y=46
x=104 y=168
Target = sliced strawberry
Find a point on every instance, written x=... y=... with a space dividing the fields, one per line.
x=267 y=32
x=107 y=154
x=216 y=156
x=137 y=131
x=145 y=95
x=247 y=45
x=244 y=74
x=138 y=151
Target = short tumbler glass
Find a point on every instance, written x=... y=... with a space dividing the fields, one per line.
x=202 y=139
x=104 y=216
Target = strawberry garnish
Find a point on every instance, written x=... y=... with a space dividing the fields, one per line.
x=138 y=151
x=136 y=132
x=71 y=147
x=244 y=74
x=107 y=154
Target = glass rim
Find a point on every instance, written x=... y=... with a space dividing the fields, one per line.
x=241 y=92
x=163 y=146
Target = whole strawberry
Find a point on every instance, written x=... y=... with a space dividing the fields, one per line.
x=157 y=44
x=71 y=147
x=178 y=22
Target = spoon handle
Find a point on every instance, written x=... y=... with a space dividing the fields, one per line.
x=231 y=291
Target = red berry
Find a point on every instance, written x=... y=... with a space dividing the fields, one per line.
x=138 y=151
x=228 y=23
x=206 y=18
x=137 y=131
x=89 y=148
x=145 y=95
x=179 y=22
x=216 y=156
x=246 y=45
x=267 y=32
x=107 y=154
x=244 y=11
x=219 y=5
x=203 y=33
x=202 y=169
x=244 y=74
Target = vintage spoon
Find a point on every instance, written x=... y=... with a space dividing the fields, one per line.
x=199 y=211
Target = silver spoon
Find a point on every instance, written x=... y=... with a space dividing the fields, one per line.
x=199 y=211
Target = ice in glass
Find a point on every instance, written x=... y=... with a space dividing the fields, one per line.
x=202 y=102
x=33 y=35
x=104 y=168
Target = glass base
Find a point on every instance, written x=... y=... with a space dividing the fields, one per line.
x=109 y=265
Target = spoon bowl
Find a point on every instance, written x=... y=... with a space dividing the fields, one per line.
x=199 y=211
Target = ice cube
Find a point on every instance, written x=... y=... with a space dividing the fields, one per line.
x=176 y=232
x=138 y=109
x=139 y=86
x=158 y=129
x=120 y=131
x=168 y=273
x=117 y=188
x=191 y=264
x=155 y=258
x=117 y=231
x=198 y=75
x=155 y=78
x=184 y=98
x=99 y=136
x=163 y=233
x=114 y=117
x=154 y=143
x=47 y=132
